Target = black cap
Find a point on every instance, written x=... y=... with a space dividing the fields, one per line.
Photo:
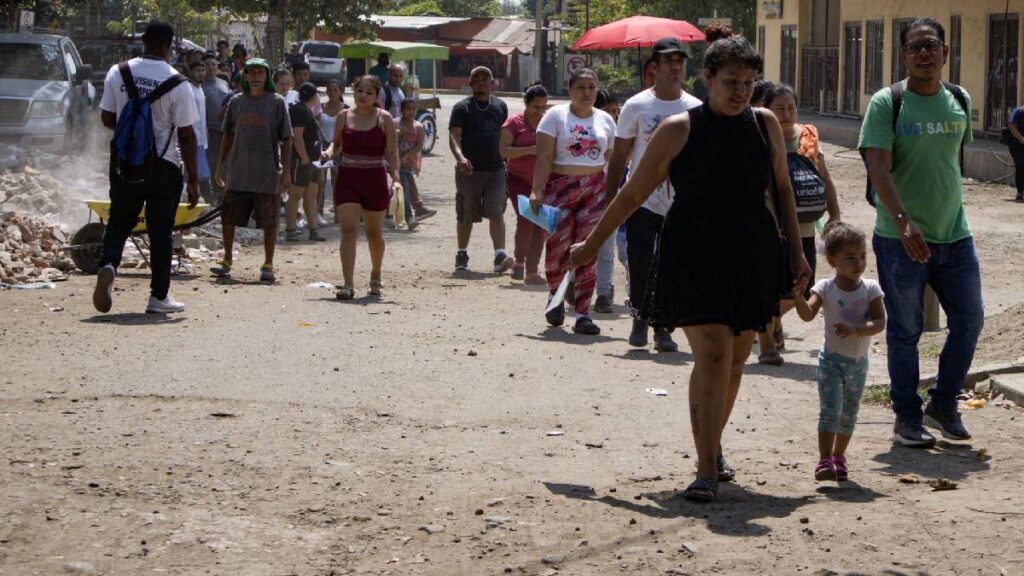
x=306 y=91
x=668 y=45
x=158 y=31
x=209 y=54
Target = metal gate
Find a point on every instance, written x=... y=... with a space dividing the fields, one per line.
x=1002 y=74
x=853 y=41
x=819 y=78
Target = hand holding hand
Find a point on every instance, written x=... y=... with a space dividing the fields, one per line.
x=801 y=271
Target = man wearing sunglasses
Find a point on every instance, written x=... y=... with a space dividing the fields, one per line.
x=921 y=232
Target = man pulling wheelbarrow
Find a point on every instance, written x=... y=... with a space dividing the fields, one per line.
x=151 y=110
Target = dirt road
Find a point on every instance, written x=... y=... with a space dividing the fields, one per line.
x=445 y=430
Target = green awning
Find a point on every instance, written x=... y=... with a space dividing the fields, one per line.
x=398 y=50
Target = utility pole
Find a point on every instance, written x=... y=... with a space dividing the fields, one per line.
x=538 y=43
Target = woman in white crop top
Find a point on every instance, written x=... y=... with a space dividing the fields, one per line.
x=574 y=142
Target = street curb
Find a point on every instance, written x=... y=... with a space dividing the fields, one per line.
x=974 y=376
x=1013 y=393
x=981 y=374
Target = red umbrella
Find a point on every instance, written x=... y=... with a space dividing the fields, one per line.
x=637 y=32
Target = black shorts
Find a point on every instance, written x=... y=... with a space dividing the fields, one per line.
x=301 y=175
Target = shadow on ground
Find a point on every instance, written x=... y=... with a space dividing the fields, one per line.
x=648 y=355
x=735 y=513
x=946 y=460
x=133 y=319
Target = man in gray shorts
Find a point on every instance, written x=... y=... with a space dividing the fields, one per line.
x=474 y=136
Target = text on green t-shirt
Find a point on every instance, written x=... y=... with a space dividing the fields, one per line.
x=926 y=158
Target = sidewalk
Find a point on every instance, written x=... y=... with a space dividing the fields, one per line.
x=985 y=159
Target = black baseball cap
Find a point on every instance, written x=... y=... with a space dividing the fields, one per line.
x=669 y=44
x=158 y=31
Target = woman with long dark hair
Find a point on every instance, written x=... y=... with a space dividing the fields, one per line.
x=719 y=265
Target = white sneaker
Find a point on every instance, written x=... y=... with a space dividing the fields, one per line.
x=166 y=306
x=102 y=297
x=320 y=221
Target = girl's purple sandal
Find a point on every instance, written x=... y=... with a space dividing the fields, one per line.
x=839 y=463
x=825 y=470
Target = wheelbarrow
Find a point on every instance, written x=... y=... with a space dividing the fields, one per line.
x=86 y=246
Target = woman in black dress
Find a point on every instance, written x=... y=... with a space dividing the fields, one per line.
x=720 y=263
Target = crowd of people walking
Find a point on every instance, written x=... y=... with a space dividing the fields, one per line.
x=713 y=207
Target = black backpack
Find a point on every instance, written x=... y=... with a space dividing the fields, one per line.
x=896 y=91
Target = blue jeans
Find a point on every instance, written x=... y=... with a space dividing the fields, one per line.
x=955 y=277
x=606 y=262
x=407 y=179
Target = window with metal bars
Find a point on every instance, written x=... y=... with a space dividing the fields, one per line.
x=787 y=72
x=899 y=69
x=874 y=44
x=955 y=42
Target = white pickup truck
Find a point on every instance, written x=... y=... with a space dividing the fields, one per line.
x=46 y=97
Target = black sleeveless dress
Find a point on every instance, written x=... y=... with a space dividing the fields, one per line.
x=719 y=258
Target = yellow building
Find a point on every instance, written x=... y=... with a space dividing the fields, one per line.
x=837 y=53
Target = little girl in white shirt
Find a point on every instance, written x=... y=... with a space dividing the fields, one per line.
x=853 y=313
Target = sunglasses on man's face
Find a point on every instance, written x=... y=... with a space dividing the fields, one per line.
x=928 y=45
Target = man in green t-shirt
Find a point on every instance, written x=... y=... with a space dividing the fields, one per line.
x=921 y=233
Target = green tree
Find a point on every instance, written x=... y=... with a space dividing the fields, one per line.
x=453 y=8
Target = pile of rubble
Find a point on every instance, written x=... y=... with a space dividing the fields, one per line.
x=29 y=250
x=50 y=187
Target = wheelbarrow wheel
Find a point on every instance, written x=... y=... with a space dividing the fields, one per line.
x=429 y=131
x=90 y=237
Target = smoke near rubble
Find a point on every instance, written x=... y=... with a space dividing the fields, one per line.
x=52 y=187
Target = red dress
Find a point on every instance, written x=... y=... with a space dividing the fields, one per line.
x=362 y=174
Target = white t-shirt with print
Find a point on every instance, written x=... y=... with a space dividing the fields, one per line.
x=200 y=125
x=176 y=108
x=850 y=308
x=578 y=141
x=639 y=117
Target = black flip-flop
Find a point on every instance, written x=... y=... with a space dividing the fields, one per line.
x=702 y=490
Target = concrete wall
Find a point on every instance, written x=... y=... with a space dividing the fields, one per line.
x=974 y=28
x=773 y=35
